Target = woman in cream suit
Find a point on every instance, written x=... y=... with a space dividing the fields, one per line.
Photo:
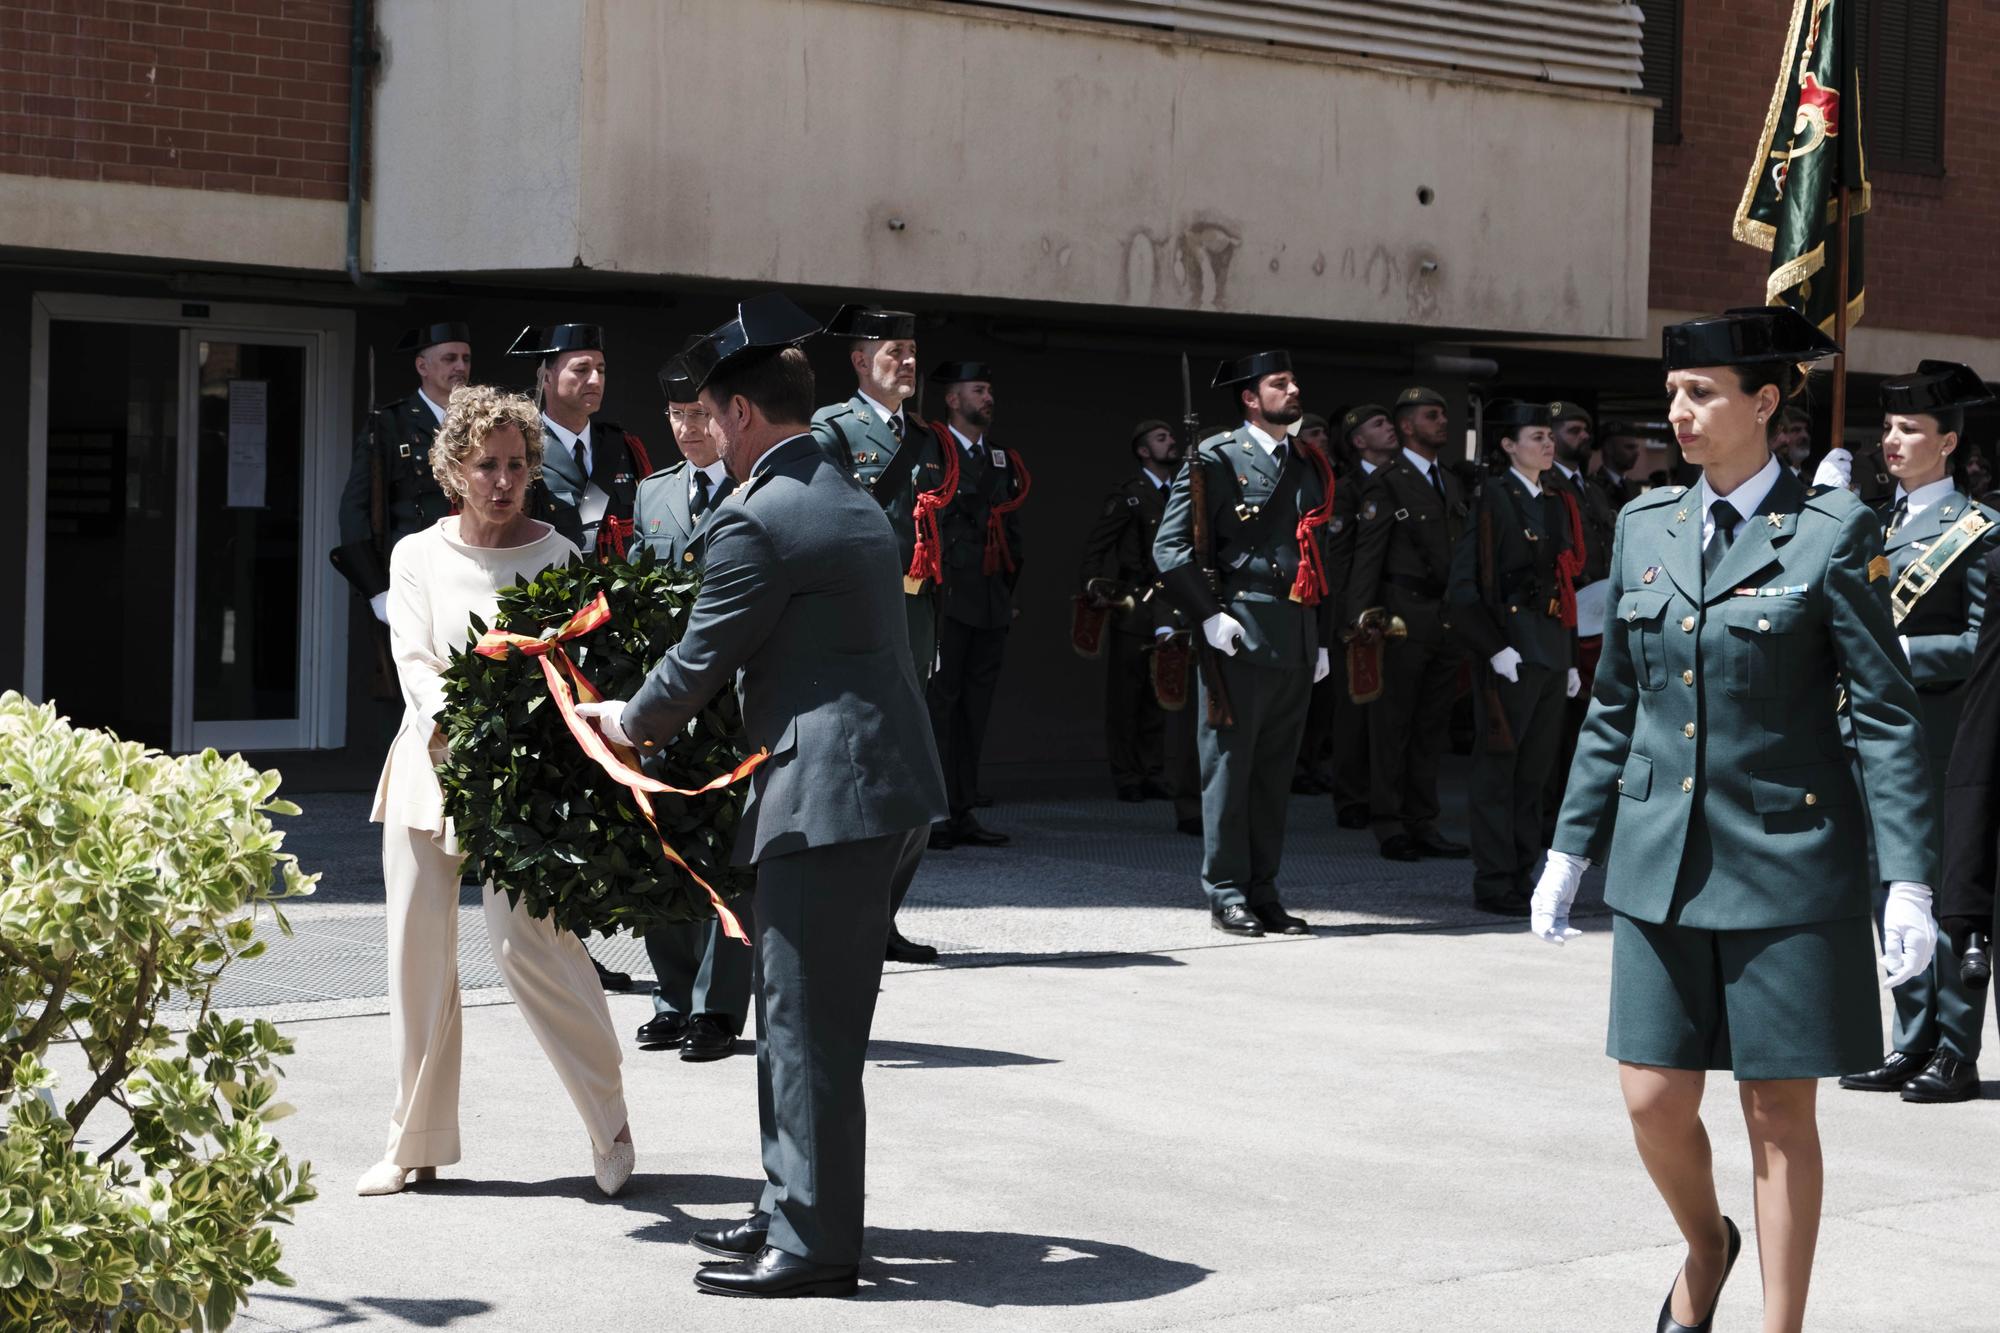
x=488 y=452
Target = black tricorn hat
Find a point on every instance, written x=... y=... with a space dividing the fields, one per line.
x=676 y=378
x=961 y=372
x=1937 y=386
x=1748 y=336
x=764 y=326
x=870 y=324
x=561 y=338
x=1513 y=414
x=1248 y=369
x=430 y=335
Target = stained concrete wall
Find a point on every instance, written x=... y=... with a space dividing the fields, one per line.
x=1026 y=158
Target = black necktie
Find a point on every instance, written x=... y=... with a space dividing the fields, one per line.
x=896 y=425
x=1901 y=516
x=1726 y=518
x=699 y=505
x=1437 y=484
x=582 y=461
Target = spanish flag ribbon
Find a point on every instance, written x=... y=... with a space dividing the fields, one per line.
x=567 y=685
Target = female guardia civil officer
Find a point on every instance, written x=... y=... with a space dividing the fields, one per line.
x=1712 y=782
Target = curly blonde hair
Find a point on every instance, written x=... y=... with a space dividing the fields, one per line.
x=473 y=413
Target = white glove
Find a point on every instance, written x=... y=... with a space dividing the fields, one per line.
x=1574 y=685
x=379 y=604
x=1836 y=469
x=1322 y=666
x=1506 y=664
x=609 y=717
x=1554 y=892
x=1224 y=633
x=1909 y=933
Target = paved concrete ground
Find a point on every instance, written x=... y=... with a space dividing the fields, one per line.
x=1120 y=1121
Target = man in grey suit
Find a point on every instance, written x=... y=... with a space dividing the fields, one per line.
x=801 y=602
x=701 y=992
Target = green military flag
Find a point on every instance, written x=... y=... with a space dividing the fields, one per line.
x=1810 y=152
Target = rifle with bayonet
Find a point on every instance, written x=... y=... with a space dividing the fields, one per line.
x=1220 y=715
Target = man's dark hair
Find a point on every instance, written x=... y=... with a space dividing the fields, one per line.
x=781 y=386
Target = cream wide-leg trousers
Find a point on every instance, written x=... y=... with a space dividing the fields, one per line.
x=546 y=970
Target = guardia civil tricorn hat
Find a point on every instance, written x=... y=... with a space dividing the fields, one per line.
x=559 y=338
x=428 y=336
x=1749 y=336
x=962 y=372
x=677 y=378
x=872 y=325
x=764 y=326
x=1248 y=369
x=1937 y=386
x=1513 y=414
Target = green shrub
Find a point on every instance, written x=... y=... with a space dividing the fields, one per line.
x=127 y=875
x=537 y=816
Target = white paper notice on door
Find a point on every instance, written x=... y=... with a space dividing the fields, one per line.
x=249 y=412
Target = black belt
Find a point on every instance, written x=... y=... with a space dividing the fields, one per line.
x=1422 y=587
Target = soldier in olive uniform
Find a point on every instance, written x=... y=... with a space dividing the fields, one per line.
x=900 y=461
x=1259 y=597
x=1508 y=601
x=1118 y=563
x=1413 y=512
x=981 y=533
x=1793 y=442
x=390 y=490
x=1618 y=465
x=1572 y=426
x=1712 y=782
x=590 y=468
x=1932 y=523
x=702 y=990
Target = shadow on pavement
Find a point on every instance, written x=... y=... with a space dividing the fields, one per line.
x=1080 y=961
x=1003 y=1268
x=920 y=1055
x=369 y=1309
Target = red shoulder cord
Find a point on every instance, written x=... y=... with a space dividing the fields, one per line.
x=619 y=530
x=927 y=561
x=1570 y=563
x=1310 y=585
x=999 y=555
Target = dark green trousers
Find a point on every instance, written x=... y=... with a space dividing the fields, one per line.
x=920 y=610
x=1408 y=734
x=1246 y=781
x=1350 y=740
x=1507 y=788
x=822 y=923
x=699 y=970
x=1134 y=725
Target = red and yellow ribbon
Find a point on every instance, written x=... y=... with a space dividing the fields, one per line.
x=566 y=686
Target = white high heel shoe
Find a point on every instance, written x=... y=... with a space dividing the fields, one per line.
x=613 y=1168
x=388 y=1178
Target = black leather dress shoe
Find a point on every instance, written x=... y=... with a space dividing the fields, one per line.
x=1354 y=816
x=1190 y=826
x=1433 y=845
x=1890 y=1075
x=974 y=834
x=1155 y=790
x=1237 y=920
x=1400 y=847
x=1308 y=784
x=981 y=801
x=1945 y=1079
x=612 y=981
x=662 y=1031
x=901 y=950
x=1277 y=921
x=943 y=838
x=1668 y=1324
x=1514 y=904
x=1131 y=795
x=774 y=1273
x=741 y=1241
x=709 y=1037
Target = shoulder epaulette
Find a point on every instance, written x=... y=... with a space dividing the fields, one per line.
x=667 y=471
x=832 y=410
x=1215 y=444
x=1656 y=497
x=1836 y=501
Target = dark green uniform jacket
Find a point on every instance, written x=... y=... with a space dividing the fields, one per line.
x=971 y=595
x=1529 y=532
x=394 y=443
x=1120 y=549
x=1972 y=789
x=1253 y=514
x=615 y=465
x=1403 y=546
x=662 y=519
x=861 y=444
x=1711 y=775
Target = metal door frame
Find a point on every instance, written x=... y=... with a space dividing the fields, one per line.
x=327 y=337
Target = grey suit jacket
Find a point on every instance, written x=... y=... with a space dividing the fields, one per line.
x=801 y=601
x=661 y=521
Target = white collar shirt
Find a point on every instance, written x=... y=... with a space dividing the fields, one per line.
x=436 y=411
x=1534 y=487
x=1925 y=496
x=1270 y=443
x=1746 y=499
x=569 y=441
x=714 y=472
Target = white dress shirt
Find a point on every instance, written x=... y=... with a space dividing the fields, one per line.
x=1271 y=443
x=715 y=472
x=888 y=418
x=1746 y=499
x=593 y=502
x=1925 y=496
x=436 y=411
x=1534 y=487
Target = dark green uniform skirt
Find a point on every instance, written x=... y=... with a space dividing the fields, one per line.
x=1791 y=1002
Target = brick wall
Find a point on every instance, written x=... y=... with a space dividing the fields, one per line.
x=1931 y=264
x=243 y=95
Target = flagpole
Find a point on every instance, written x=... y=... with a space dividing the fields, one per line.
x=1839 y=432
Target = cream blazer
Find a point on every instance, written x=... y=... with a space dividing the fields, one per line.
x=437 y=584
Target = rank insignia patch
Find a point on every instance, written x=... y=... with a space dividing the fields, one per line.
x=1368 y=511
x=1878 y=568
x=1652 y=572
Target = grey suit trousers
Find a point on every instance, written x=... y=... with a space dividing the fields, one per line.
x=822 y=923
x=699 y=970
x=1246 y=781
